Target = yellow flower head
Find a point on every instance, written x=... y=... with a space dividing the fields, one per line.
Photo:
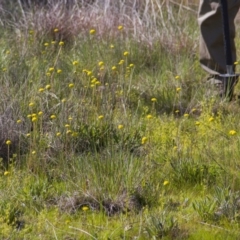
x=114 y=68
x=149 y=116
x=121 y=62
x=6 y=173
x=71 y=85
x=100 y=117
x=59 y=71
x=58 y=134
x=41 y=90
x=61 y=43
x=186 y=115
x=34 y=119
x=165 y=183
x=120 y=27
x=51 y=69
x=85 y=208
x=111 y=46
x=56 y=30
x=101 y=63
x=144 y=140
x=232 y=132
x=53 y=116
x=48 y=86
x=153 y=99
x=125 y=53
x=46 y=44
x=120 y=126
x=31 y=104
x=211 y=119
x=19 y=121
x=75 y=63
x=177 y=77
x=92 y=31
x=178 y=89
x=8 y=142
x=197 y=123
x=40 y=113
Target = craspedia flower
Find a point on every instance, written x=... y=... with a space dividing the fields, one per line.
x=8 y=142
x=71 y=85
x=48 y=86
x=58 y=134
x=114 y=68
x=211 y=119
x=19 y=121
x=197 y=123
x=40 y=113
x=56 y=30
x=112 y=46
x=53 y=116
x=46 y=44
x=177 y=77
x=100 y=117
x=153 y=99
x=31 y=104
x=120 y=27
x=178 y=89
x=236 y=63
x=165 y=183
x=126 y=53
x=41 y=90
x=186 y=115
x=33 y=152
x=61 y=43
x=6 y=173
x=101 y=63
x=34 y=119
x=120 y=126
x=51 y=69
x=131 y=65
x=149 y=116
x=121 y=62
x=74 y=63
x=85 y=208
x=144 y=140
x=232 y=132
x=92 y=31
x=59 y=71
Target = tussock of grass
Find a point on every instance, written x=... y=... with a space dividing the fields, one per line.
x=105 y=128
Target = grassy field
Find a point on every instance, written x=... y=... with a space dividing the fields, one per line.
x=106 y=130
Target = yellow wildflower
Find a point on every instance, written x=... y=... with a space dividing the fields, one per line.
x=153 y=99
x=53 y=116
x=120 y=27
x=120 y=126
x=34 y=119
x=144 y=140
x=126 y=53
x=61 y=43
x=51 y=69
x=8 y=142
x=92 y=31
x=75 y=63
x=56 y=30
x=6 y=173
x=19 y=121
x=85 y=208
x=101 y=63
x=149 y=116
x=165 y=182
x=232 y=132
x=71 y=85
x=48 y=86
x=114 y=68
x=41 y=89
x=59 y=70
x=31 y=104
x=100 y=117
x=178 y=89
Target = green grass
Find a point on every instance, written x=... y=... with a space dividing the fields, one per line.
x=110 y=135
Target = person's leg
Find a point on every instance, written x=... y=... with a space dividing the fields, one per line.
x=212 y=56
